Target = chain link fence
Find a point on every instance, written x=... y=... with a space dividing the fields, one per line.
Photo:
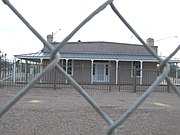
x=54 y=59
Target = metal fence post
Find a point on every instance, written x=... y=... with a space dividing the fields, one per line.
x=82 y=75
x=110 y=83
x=26 y=72
x=119 y=78
x=168 y=87
x=54 y=80
x=135 y=75
x=5 y=65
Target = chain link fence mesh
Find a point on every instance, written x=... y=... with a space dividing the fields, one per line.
x=54 y=59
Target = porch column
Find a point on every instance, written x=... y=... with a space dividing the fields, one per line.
x=117 y=71
x=66 y=68
x=92 y=71
x=141 y=68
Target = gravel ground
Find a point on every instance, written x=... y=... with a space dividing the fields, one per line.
x=65 y=112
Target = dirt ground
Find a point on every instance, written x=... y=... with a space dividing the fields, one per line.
x=66 y=112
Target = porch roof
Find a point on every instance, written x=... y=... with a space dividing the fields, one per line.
x=89 y=56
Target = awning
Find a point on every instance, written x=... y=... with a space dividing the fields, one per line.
x=91 y=56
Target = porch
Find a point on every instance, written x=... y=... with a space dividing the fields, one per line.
x=128 y=78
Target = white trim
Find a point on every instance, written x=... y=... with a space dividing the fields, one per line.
x=105 y=77
x=132 y=69
x=72 y=58
x=66 y=69
x=141 y=73
x=92 y=61
x=66 y=64
x=117 y=65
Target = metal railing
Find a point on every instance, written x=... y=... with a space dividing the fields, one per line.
x=54 y=59
x=19 y=73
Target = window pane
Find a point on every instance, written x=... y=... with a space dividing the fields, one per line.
x=69 y=66
x=64 y=65
x=93 y=69
x=107 y=70
x=137 y=65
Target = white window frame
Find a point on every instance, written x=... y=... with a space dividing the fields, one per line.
x=138 y=68
x=68 y=66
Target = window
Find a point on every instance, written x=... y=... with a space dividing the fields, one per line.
x=68 y=66
x=136 y=66
x=93 y=69
x=107 y=69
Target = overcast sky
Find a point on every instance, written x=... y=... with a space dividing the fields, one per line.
x=158 y=19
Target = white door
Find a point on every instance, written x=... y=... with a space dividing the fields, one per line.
x=101 y=72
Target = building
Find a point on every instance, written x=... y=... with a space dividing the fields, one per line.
x=99 y=62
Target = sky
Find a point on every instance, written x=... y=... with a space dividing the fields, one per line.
x=158 y=19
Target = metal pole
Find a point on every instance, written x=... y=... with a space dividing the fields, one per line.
x=26 y=72
x=14 y=70
x=41 y=68
x=5 y=64
x=110 y=80
x=54 y=81
x=82 y=75
x=134 y=85
x=119 y=78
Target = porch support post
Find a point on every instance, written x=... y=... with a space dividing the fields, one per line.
x=14 y=70
x=92 y=71
x=141 y=68
x=66 y=68
x=117 y=71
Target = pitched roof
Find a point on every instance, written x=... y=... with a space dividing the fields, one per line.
x=102 y=47
x=97 y=51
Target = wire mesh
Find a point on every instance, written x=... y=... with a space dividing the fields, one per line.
x=164 y=68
